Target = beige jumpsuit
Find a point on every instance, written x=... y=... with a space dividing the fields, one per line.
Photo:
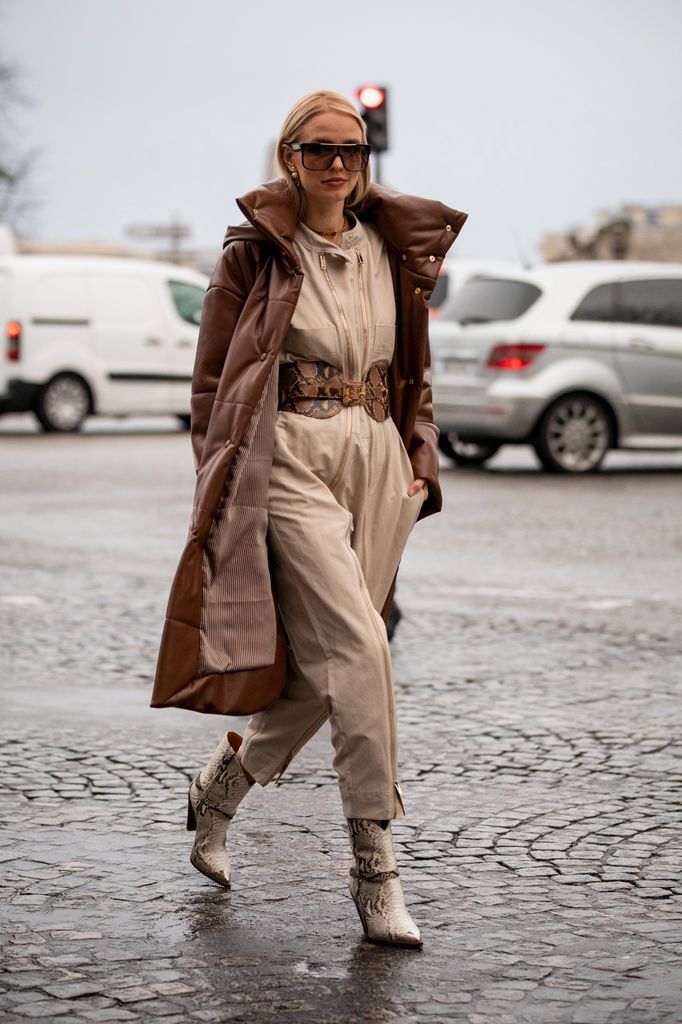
x=338 y=519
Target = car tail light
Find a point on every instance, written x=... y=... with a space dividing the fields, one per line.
x=513 y=357
x=13 y=332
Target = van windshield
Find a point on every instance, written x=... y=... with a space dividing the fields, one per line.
x=484 y=299
x=188 y=300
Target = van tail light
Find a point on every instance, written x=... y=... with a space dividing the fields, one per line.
x=13 y=332
x=513 y=357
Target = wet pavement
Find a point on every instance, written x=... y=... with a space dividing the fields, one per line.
x=538 y=678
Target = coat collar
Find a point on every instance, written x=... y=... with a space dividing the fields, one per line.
x=353 y=239
x=420 y=230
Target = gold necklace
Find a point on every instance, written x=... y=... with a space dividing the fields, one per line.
x=329 y=232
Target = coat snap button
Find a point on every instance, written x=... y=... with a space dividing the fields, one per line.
x=417 y=291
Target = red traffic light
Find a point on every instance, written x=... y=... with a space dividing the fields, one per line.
x=371 y=96
x=373 y=100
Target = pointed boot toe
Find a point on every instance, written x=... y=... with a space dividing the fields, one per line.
x=212 y=800
x=382 y=912
x=208 y=853
x=375 y=886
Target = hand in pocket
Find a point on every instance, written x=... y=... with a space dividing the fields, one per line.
x=418 y=485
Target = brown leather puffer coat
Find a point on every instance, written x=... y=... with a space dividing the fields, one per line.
x=223 y=649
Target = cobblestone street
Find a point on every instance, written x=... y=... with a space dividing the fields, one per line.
x=538 y=676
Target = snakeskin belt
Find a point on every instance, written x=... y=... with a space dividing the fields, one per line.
x=318 y=389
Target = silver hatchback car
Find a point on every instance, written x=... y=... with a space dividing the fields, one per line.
x=571 y=358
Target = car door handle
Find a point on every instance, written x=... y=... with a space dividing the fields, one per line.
x=152 y=341
x=184 y=343
x=641 y=344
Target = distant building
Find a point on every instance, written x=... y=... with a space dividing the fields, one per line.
x=83 y=247
x=203 y=260
x=632 y=233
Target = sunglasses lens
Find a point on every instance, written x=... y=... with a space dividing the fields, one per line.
x=354 y=159
x=319 y=157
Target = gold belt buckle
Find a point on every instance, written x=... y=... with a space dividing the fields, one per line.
x=353 y=392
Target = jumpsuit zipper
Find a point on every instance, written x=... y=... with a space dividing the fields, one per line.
x=389 y=692
x=337 y=475
x=363 y=307
x=365 y=358
x=381 y=636
x=301 y=742
x=349 y=346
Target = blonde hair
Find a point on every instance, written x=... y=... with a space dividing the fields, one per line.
x=309 y=106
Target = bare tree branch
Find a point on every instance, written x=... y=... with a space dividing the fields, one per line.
x=16 y=166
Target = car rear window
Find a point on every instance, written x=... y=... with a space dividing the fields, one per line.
x=484 y=299
x=440 y=291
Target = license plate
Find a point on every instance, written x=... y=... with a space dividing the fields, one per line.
x=458 y=367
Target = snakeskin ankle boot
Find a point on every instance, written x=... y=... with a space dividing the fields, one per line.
x=213 y=797
x=375 y=885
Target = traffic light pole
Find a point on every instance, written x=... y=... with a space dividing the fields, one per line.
x=374 y=112
x=377 y=168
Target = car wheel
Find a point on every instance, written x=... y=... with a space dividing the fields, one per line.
x=63 y=404
x=186 y=420
x=574 y=434
x=465 y=453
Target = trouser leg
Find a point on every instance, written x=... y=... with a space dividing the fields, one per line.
x=273 y=736
x=339 y=642
x=332 y=570
x=341 y=647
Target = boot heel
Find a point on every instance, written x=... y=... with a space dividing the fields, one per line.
x=191 y=816
x=361 y=914
x=375 y=885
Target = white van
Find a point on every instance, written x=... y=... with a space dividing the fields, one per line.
x=88 y=335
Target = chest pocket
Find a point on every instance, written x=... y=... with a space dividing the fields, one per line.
x=383 y=343
x=313 y=343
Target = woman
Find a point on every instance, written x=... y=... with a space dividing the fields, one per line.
x=315 y=453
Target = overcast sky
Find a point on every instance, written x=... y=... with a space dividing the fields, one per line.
x=531 y=115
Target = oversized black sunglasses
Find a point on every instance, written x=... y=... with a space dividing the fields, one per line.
x=319 y=156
